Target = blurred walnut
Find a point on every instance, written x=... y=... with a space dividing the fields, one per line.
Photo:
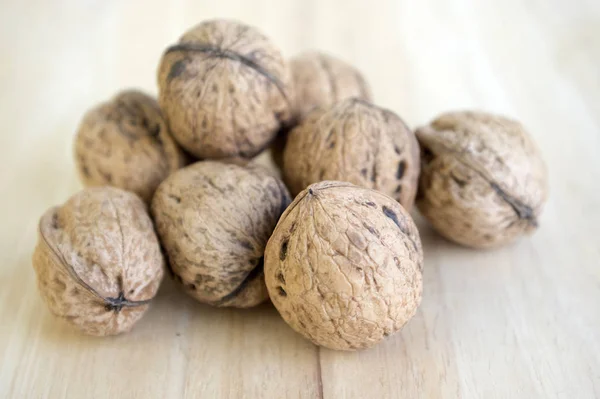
x=98 y=260
x=483 y=181
x=321 y=80
x=344 y=266
x=214 y=220
x=225 y=90
x=265 y=159
x=125 y=143
x=357 y=142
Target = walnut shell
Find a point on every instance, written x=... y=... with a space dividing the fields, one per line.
x=225 y=89
x=265 y=159
x=483 y=181
x=344 y=266
x=357 y=142
x=125 y=143
x=214 y=220
x=321 y=80
x=98 y=261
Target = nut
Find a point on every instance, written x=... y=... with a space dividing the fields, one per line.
x=225 y=90
x=98 y=261
x=321 y=80
x=214 y=220
x=266 y=159
x=344 y=266
x=483 y=181
x=125 y=143
x=357 y=142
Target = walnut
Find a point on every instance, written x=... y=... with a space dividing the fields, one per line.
x=214 y=220
x=344 y=266
x=125 y=143
x=225 y=89
x=357 y=142
x=321 y=79
x=265 y=159
x=483 y=181
x=268 y=160
x=98 y=261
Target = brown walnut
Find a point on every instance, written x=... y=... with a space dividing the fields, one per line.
x=357 y=142
x=225 y=89
x=98 y=260
x=126 y=143
x=483 y=181
x=214 y=220
x=265 y=159
x=344 y=266
x=321 y=80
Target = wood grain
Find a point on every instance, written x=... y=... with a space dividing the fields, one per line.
x=518 y=322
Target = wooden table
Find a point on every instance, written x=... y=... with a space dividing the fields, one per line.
x=521 y=321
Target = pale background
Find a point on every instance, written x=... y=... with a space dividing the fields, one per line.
x=518 y=322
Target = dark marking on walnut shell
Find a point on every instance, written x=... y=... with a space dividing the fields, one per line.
x=283 y=250
x=177 y=69
x=400 y=171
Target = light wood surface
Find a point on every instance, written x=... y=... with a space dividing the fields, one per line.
x=518 y=322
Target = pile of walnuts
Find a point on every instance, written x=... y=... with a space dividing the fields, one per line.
x=255 y=178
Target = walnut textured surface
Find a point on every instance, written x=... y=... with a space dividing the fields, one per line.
x=98 y=261
x=357 y=142
x=214 y=220
x=483 y=181
x=126 y=143
x=321 y=79
x=225 y=89
x=264 y=159
x=344 y=266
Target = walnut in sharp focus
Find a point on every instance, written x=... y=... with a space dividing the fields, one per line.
x=321 y=79
x=225 y=89
x=483 y=181
x=125 y=143
x=214 y=220
x=344 y=266
x=357 y=142
x=98 y=261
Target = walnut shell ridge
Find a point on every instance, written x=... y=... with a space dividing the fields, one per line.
x=357 y=142
x=214 y=220
x=321 y=79
x=98 y=260
x=225 y=89
x=125 y=143
x=483 y=180
x=344 y=266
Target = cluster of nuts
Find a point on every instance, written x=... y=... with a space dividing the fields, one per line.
x=178 y=183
